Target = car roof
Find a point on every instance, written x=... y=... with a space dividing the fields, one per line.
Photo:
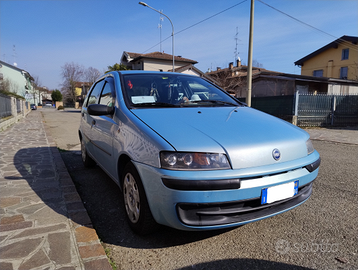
x=151 y=72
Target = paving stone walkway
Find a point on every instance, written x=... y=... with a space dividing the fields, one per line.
x=43 y=223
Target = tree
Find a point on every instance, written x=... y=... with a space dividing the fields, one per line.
x=10 y=86
x=56 y=95
x=71 y=73
x=257 y=64
x=91 y=75
x=229 y=81
x=116 y=67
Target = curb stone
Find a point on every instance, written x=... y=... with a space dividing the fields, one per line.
x=89 y=247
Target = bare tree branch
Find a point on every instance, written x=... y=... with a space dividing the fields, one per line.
x=71 y=73
x=91 y=75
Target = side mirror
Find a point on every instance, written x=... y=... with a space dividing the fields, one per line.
x=99 y=110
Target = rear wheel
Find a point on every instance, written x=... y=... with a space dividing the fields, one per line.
x=87 y=160
x=138 y=213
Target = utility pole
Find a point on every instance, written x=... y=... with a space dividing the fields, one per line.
x=249 y=67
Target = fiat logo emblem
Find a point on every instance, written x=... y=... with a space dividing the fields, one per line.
x=276 y=154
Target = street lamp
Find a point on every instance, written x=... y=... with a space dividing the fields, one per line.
x=146 y=5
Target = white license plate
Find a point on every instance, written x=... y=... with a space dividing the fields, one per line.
x=279 y=192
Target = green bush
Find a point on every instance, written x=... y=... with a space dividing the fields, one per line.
x=60 y=107
x=56 y=95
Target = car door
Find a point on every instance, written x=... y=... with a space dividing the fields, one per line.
x=103 y=128
x=87 y=120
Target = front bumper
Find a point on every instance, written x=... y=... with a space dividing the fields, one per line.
x=204 y=206
x=237 y=212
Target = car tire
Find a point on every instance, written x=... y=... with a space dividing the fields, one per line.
x=88 y=162
x=138 y=214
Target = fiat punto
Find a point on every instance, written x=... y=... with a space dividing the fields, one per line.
x=188 y=155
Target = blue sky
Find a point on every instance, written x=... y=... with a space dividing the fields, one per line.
x=94 y=33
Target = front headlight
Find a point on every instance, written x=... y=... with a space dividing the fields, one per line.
x=193 y=161
x=309 y=146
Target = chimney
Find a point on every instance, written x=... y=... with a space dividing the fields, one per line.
x=231 y=65
x=238 y=62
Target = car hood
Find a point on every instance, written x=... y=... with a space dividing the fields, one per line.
x=247 y=136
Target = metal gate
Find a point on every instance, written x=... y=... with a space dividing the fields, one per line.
x=326 y=110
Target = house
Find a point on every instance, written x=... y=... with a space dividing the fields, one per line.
x=81 y=90
x=156 y=61
x=44 y=95
x=338 y=59
x=16 y=80
x=271 y=83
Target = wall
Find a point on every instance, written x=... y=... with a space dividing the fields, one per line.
x=333 y=57
x=17 y=77
x=19 y=110
x=336 y=89
x=157 y=65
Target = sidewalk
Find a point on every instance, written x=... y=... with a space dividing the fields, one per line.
x=43 y=223
x=338 y=135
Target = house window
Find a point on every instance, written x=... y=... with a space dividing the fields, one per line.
x=344 y=73
x=318 y=73
x=345 y=54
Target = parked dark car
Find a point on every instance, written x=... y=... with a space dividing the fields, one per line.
x=33 y=107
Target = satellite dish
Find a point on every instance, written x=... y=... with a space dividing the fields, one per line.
x=15 y=64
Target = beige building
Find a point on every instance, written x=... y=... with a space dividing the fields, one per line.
x=155 y=61
x=338 y=59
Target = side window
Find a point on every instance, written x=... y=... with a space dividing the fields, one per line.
x=94 y=94
x=108 y=94
x=345 y=54
x=344 y=73
x=318 y=73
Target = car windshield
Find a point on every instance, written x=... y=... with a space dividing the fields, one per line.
x=173 y=90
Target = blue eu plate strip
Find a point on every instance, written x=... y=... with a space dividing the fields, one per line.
x=296 y=188
x=264 y=196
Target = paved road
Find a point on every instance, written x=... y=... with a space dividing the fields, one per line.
x=320 y=234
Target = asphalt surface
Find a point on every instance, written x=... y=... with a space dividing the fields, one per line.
x=320 y=234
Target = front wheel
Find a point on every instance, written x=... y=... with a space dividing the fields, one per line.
x=88 y=162
x=138 y=213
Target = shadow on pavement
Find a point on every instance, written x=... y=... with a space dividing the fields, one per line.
x=71 y=111
x=238 y=264
x=103 y=201
x=36 y=165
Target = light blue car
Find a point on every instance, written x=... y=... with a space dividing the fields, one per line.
x=188 y=155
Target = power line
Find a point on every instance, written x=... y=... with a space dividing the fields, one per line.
x=315 y=28
x=195 y=24
x=291 y=17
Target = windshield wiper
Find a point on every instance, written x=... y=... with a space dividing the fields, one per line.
x=216 y=102
x=154 y=104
